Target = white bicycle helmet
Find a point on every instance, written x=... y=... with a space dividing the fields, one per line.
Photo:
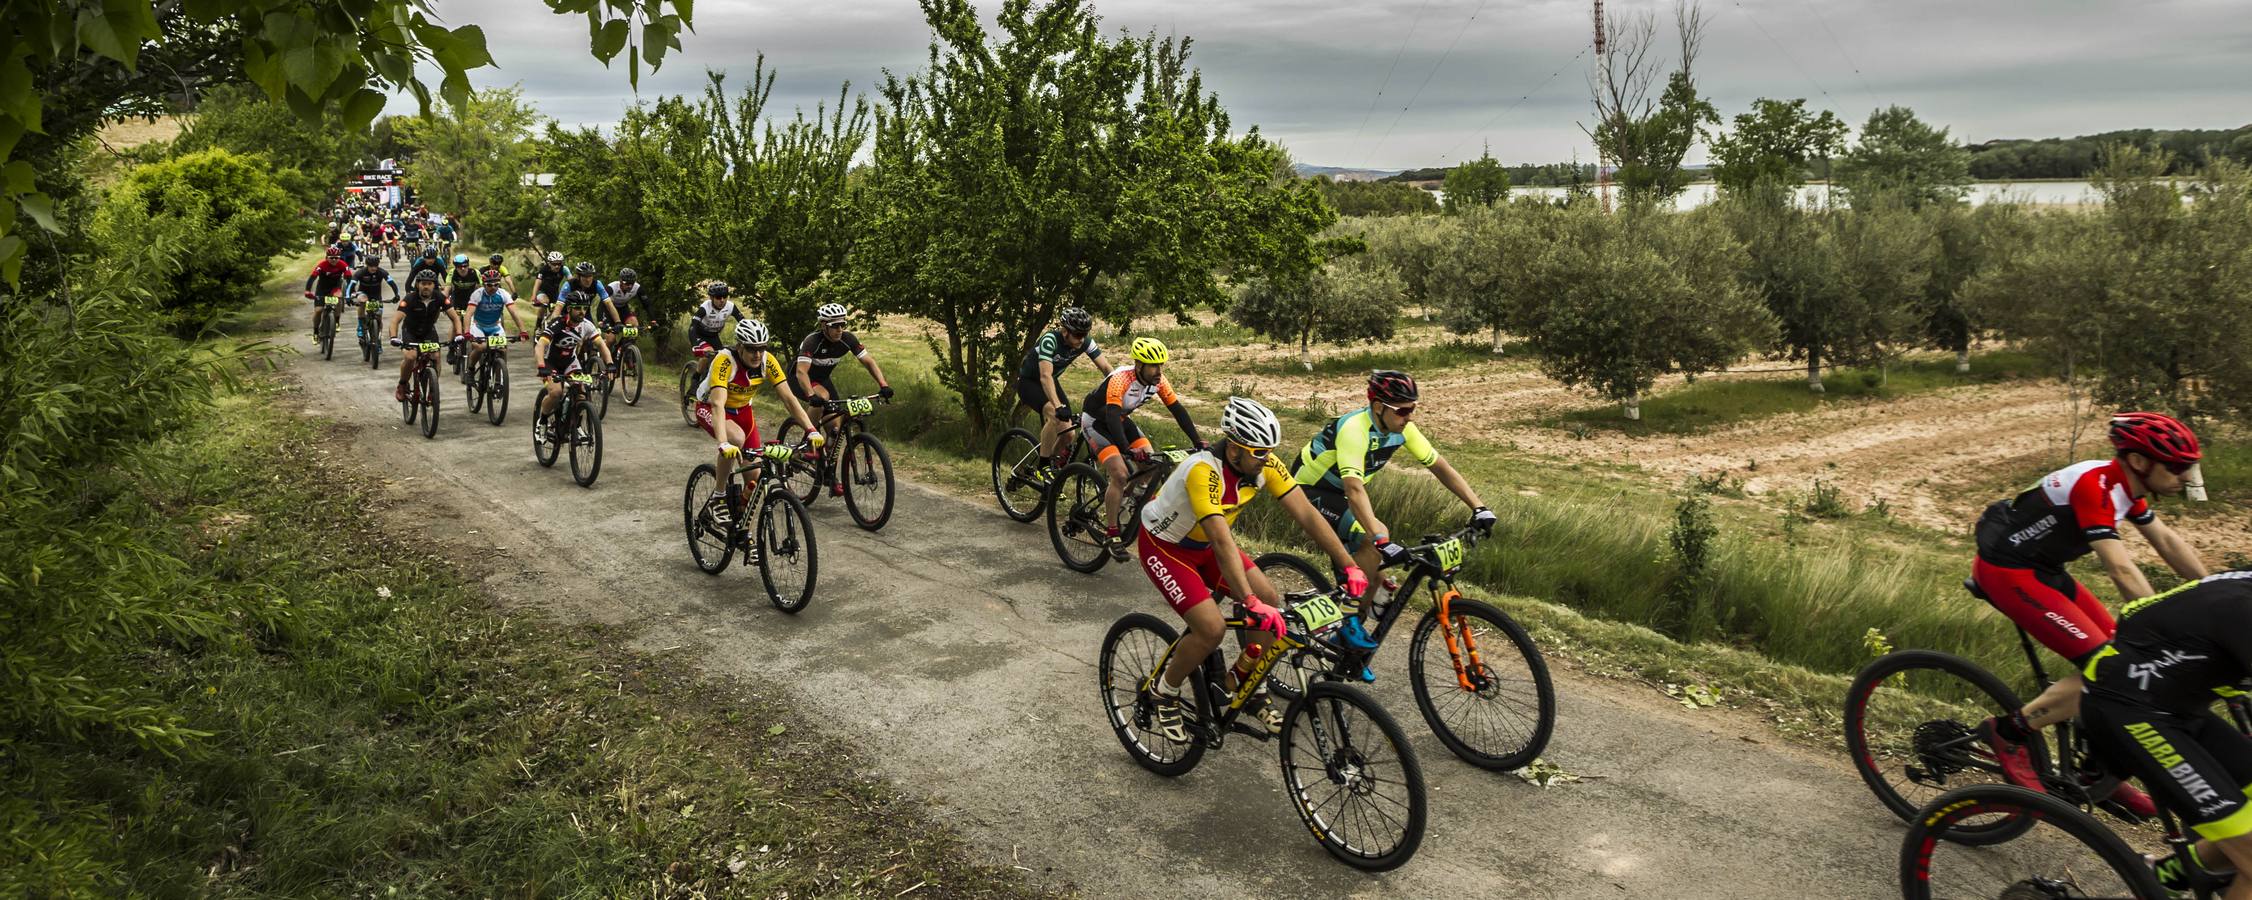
x=1250 y=424
x=831 y=312
x=554 y=256
x=752 y=333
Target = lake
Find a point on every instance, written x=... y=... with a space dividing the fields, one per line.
x=2047 y=193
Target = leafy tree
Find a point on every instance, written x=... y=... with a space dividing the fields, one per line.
x=1644 y=138
x=308 y=159
x=1843 y=286
x=1621 y=300
x=1351 y=300
x=1374 y=198
x=1479 y=182
x=1766 y=153
x=229 y=215
x=1902 y=160
x=1960 y=247
x=472 y=158
x=1048 y=167
x=1483 y=275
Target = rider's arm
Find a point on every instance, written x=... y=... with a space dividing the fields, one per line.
x=2118 y=564
x=395 y=320
x=789 y=399
x=868 y=360
x=2177 y=552
x=1230 y=559
x=801 y=372
x=514 y=316
x=1356 y=497
x=1455 y=483
x=394 y=287
x=1048 y=382
x=1180 y=413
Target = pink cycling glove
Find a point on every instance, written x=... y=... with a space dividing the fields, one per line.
x=1266 y=618
x=1356 y=582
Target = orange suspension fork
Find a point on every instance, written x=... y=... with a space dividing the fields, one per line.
x=1458 y=648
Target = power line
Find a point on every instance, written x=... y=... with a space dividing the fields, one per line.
x=1387 y=82
x=1458 y=33
x=1786 y=52
x=1483 y=130
x=1871 y=92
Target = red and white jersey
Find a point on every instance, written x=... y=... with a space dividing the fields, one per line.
x=2054 y=521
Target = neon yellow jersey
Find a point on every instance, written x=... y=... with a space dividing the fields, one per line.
x=1203 y=486
x=1353 y=447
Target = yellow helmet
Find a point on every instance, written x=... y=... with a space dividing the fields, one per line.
x=1150 y=350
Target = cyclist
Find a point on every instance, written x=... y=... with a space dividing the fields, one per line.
x=410 y=229
x=2149 y=710
x=347 y=250
x=486 y=305
x=1104 y=420
x=547 y=284
x=1188 y=549
x=445 y=232
x=1336 y=465
x=368 y=280
x=705 y=321
x=818 y=356
x=620 y=299
x=723 y=404
x=2023 y=544
x=428 y=261
x=418 y=317
x=1040 y=378
x=328 y=274
x=562 y=350
x=462 y=281
x=494 y=266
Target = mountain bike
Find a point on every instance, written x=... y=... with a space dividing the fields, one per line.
x=2073 y=854
x=692 y=371
x=1075 y=508
x=488 y=379
x=862 y=465
x=629 y=375
x=1021 y=477
x=571 y=421
x=371 y=325
x=422 y=387
x=1346 y=766
x=1480 y=682
x=779 y=536
x=324 y=324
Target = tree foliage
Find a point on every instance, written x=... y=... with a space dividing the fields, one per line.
x=307 y=158
x=1767 y=150
x=1483 y=276
x=1479 y=182
x=1844 y=287
x=229 y=217
x=2187 y=151
x=1351 y=300
x=1047 y=166
x=471 y=160
x=1374 y=198
x=1899 y=159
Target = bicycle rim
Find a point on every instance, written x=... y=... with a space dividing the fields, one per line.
x=787 y=562
x=710 y=544
x=867 y=480
x=1016 y=480
x=1293 y=575
x=1132 y=652
x=1910 y=719
x=496 y=391
x=687 y=395
x=1353 y=778
x=2063 y=851
x=549 y=450
x=629 y=369
x=429 y=382
x=1482 y=685
x=586 y=446
x=799 y=476
x=1075 y=514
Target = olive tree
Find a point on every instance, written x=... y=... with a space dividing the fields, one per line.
x=1351 y=300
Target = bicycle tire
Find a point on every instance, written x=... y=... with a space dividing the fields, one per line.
x=588 y=445
x=601 y=386
x=326 y=325
x=1293 y=574
x=801 y=477
x=428 y=380
x=629 y=369
x=866 y=469
x=688 y=394
x=547 y=451
x=409 y=409
x=1075 y=509
x=496 y=389
x=1488 y=683
x=786 y=530
x=1118 y=681
x=702 y=480
x=1349 y=761
x=375 y=346
x=1929 y=828
x=1891 y=667
x=473 y=384
x=1017 y=449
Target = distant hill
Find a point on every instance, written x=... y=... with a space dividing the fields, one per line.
x=1340 y=173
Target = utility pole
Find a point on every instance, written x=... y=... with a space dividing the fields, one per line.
x=1603 y=77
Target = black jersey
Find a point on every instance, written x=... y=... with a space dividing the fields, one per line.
x=824 y=354
x=2174 y=648
x=421 y=316
x=1059 y=354
x=2054 y=521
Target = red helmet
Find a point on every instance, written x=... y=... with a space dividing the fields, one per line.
x=335 y=251
x=2157 y=436
x=1387 y=386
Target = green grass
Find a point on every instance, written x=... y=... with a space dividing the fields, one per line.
x=1414 y=360
x=1711 y=403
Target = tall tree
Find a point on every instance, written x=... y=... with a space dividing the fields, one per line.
x=1478 y=182
x=1766 y=152
x=1485 y=273
x=1843 y=287
x=471 y=158
x=309 y=159
x=1646 y=138
x=1047 y=166
x=1900 y=159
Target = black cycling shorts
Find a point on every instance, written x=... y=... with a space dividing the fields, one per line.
x=1029 y=393
x=1338 y=512
x=2198 y=764
x=819 y=377
x=411 y=335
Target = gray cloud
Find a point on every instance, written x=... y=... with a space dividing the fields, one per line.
x=1307 y=75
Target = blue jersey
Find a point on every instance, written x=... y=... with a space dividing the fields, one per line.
x=485 y=307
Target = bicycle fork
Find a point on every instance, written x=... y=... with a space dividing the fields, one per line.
x=1459 y=646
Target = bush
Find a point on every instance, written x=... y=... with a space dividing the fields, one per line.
x=228 y=217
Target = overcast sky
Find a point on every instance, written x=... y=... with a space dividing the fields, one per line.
x=1474 y=71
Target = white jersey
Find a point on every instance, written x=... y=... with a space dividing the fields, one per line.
x=709 y=319
x=622 y=293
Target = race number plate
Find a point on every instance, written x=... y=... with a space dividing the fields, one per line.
x=332 y=299
x=1449 y=554
x=496 y=341
x=628 y=331
x=775 y=451
x=1318 y=612
x=1175 y=456
x=426 y=347
x=582 y=378
x=859 y=406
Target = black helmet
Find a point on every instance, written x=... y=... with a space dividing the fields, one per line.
x=430 y=251
x=579 y=299
x=583 y=268
x=426 y=276
x=496 y=259
x=628 y=275
x=1387 y=386
x=717 y=290
x=1076 y=320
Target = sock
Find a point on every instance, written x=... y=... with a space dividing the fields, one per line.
x=1169 y=692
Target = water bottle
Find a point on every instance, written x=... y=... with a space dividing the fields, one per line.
x=1245 y=663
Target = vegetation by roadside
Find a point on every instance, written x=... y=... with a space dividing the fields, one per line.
x=1715 y=402
x=364 y=723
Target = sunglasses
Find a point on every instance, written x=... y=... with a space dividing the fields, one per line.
x=1258 y=453
x=832 y=324
x=2179 y=469
x=1407 y=410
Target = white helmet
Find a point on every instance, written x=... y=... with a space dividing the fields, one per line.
x=830 y=312
x=554 y=256
x=752 y=333
x=1249 y=424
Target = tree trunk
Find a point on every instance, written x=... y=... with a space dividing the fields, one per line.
x=1962 y=360
x=1497 y=340
x=1633 y=406
x=1813 y=372
x=1305 y=350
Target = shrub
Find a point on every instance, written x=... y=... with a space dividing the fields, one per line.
x=227 y=215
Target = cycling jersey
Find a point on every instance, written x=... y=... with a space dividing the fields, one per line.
x=445 y=232
x=1202 y=485
x=1121 y=389
x=369 y=282
x=547 y=279
x=564 y=341
x=2148 y=704
x=486 y=305
x=824 y=354
x=347 y=251
x=1052 y=347
x=419 y=320
x=623 y=295
x=492 y=269
x=426 y=263
x=710 y=318
x=2053 y=522
x=463 y=281
x=597 y=288
x=728 y=372
x=329 y=275
x=1356 y=446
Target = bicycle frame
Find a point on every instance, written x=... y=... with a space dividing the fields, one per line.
x=1210 y=679
x=1427 y=574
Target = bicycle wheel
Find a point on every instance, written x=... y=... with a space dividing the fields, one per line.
x=549 y=450
x=629 y=374
x=427 y=381
x=866 y=471
x=601 y=386
x=375 y=346
x=1134 y=648
x=2066 y=854
x=474 y=383
x=710 y=543
x=496 y=387
x=1910 y=725
x=688 y=394
x=1075 y=516
x=1016 y=475
x=410 y=408
x=1353 y=776
x=787 y=561
x=326 y=325
x=803 y=477
x=1292 y=574
x=1482 y=686
x=586 y=443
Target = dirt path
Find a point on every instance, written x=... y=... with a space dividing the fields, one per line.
x=959 y=654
